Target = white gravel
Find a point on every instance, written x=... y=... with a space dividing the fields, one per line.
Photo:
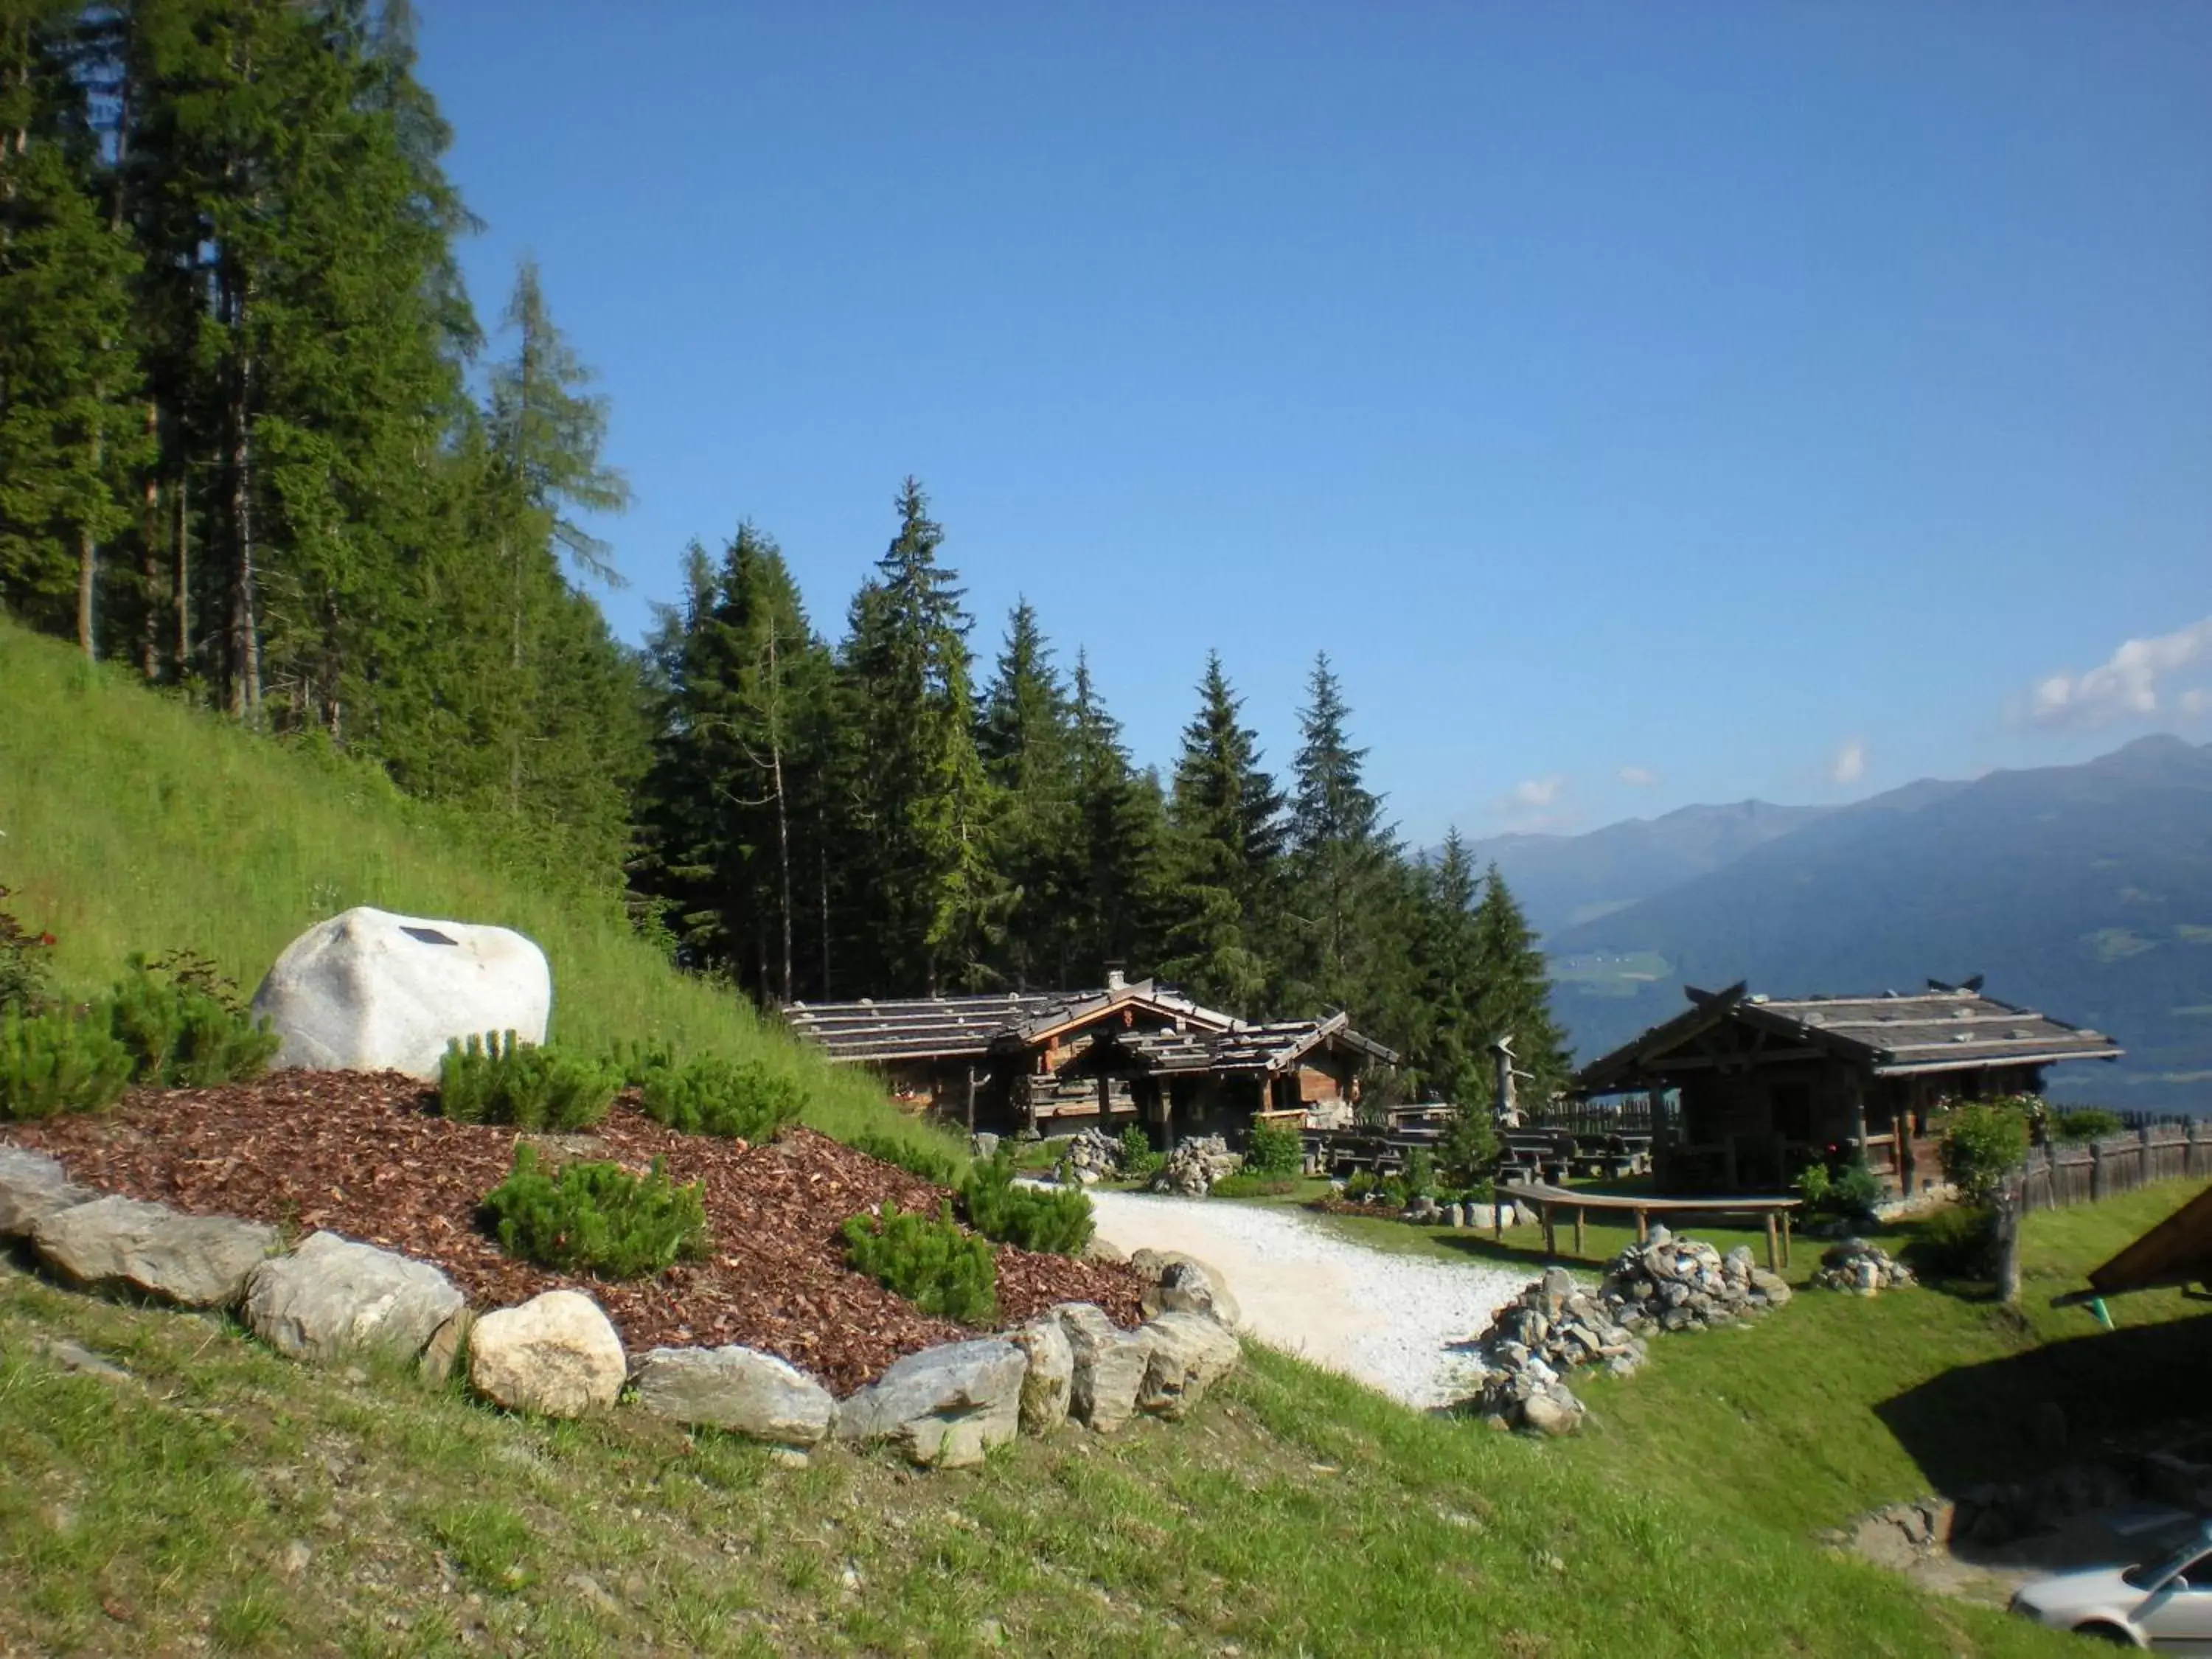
x=1385 y=1320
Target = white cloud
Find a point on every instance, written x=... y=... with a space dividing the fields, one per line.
x=2126 y=686
x=1848 y=765
x=1536 y=804
x=1638 y=777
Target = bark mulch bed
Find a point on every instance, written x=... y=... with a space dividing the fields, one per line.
x=365 y=1156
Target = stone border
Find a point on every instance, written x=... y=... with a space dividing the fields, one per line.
x=331 y=1298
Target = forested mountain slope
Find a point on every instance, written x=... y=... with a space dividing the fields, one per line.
x=2083 y=890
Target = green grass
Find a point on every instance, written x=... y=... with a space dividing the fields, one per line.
x=133 y=823
x=224 y=1495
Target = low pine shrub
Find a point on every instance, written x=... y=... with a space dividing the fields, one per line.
x=1058 y=1221
x=939 y=1169
x=59 y=1061
x=1846 y=1194
x=928 y=1260
x=596 y=1218
x=503 y=1081
x=1960 y=1242
x=1272 y=1151
x=712 y=1095
x=641 y=1062
x=25 y=983
x=1469 y=1154
x=185 y=1025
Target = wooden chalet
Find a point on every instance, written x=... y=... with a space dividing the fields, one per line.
x=1766 y=1085
x=1134 y=1052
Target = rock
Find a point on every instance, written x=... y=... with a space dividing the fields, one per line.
x=1050 y=1380
x=741 y=1389
x=1183 y=1284
x=75 y=1356
x=1454 y=1216
x=1773 y=1286
x=1189 y=1352
x=1099 y=1250
x=1109 y=1366
x=982 y=1145
x=333 y=1297
x=944 y=1406
x=32 y=1188
x=556 y=1355
x=121 y=1243
x=1860 y=1268
x=1550 y=1411
x=443 y=1351
x=369 y=991
x=1194 y=1165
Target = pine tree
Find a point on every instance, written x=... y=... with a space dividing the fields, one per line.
x=923 y=806
x=1226 y=817
x=1120 y=837
x=1344 y=933
x=1516 y=1000
x=1447 y=1057
x=1025 y=740
x=71 y=435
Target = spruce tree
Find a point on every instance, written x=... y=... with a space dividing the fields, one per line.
x=1344 y=934
x=1025 y=741
x=1516 y=998
x=1226 y=817
x=1119 y=879
x=923 y=806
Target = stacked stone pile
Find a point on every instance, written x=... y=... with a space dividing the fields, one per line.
x=1861 y=1268
x=1194 y=1165
x=1093 y=1156
x=1556 y=1326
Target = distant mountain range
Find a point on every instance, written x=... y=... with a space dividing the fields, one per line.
x=2084 y=892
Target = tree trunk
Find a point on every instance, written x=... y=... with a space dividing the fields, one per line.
x=88 y=573
x=822 y=857
x=782 y=806
x=150 y=564
x=183 y=602
x=511 y=548
x=244 y=663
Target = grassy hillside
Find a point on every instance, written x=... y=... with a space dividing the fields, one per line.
x=129 y=822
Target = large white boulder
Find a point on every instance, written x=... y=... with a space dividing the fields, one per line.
x=556 y=1355
x=368 y=991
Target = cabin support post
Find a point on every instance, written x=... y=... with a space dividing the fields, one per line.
x=1858 y=1119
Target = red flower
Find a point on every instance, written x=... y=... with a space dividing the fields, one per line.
x=46 y=938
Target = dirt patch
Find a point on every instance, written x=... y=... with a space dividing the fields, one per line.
x=365 y=1156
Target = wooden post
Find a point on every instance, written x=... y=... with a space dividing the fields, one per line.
x=2188 y=1148
x=1773 y=1243
x=2005 y=1201
x=1497 y=1215
x=1581 y=1231
x=2099 y=1181
x=1642 y=1227
x=1786 y=1238
x=1551 y=1238
x=971 y=1100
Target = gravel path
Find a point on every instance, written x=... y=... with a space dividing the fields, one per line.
x=1381 y=1318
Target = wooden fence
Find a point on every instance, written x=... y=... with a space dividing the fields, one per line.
x=2056 y=1177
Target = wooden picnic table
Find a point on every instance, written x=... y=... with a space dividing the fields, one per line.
x=1548 y=1200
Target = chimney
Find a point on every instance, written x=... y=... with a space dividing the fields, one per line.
x=1115 y=979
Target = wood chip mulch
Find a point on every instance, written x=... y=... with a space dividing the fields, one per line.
x=365 y=1155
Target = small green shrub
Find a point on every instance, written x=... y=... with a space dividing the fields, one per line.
x=1983 y=1143
x=1847 y=1195
x=639 y=1063
x=928 y=1260
x=1252 y=1186
x=186 y=1026
x=1469 y=1154
x=1959 y=1243
x=2085 y=1123
x=939 y=1169
x=503 y=1081
x=1273 y=1151
x=1058 y=1221
x=597 y=1218
x=1362 y=1184
x=712 y=1095
x=59 y=1061
x=25 y=981
x=1139 y=1162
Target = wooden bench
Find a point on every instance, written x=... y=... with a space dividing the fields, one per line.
x=1548 y=1200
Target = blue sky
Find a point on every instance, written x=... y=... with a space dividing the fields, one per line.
x=1642 y=404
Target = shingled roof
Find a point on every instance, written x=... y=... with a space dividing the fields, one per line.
x=1943 y=1029
x=952 y=1028
x=1274 y=1047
